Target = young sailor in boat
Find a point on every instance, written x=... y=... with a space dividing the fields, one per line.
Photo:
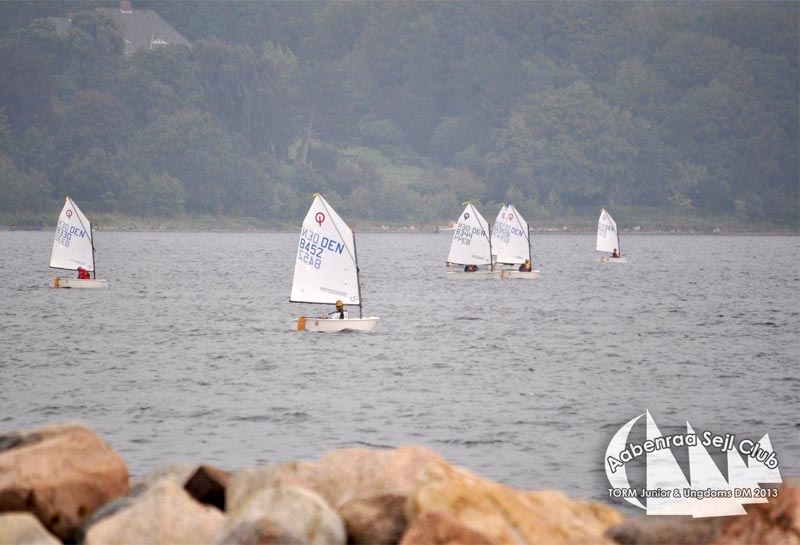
x=342 y=313
x=615 y=253
x=83 y=274
x=470 y=268
x=525 y=267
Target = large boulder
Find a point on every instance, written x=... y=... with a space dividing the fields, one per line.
x=773 y=523
x=440 y=528
x=177 y=473
x=340 y=476
x=292 y=514
x=255 y=532
x=61 y=474
x=163 y=515
x=21 y=528
x=507 y=516
x=665 y=530
x=379 y=520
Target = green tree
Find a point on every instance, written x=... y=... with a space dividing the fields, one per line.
x=568 y=143
x=166 y=196
x=6 y=136
x=158 y=82
x=26 y=84
x=249 y=94
x=20 y=191
x=160 y=195
x=93 y=178
x=187 y=146
x=92 y=120
x=95 y=49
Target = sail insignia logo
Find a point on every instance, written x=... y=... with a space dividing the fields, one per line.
x=707 y=493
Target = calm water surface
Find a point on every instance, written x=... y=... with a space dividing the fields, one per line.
x=190 y=355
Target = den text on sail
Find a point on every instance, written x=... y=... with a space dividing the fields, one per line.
x=65 y=232
x=313 y=247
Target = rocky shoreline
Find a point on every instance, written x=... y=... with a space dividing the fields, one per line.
x=64 y=484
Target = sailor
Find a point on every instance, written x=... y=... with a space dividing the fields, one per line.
x=470 y=268
x=83 y=274
x=615 y=253
x=342 y=313
x=525 y=267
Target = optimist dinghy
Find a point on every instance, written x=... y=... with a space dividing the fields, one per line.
x=73 y=248
x=608 y=238
x=326 y=270
x=471 y=247
x=511 y=240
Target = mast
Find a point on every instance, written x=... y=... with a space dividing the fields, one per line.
x=91 y=234
x=530 y=254
x=489 y=236
x=358 y=272
x=487 y=233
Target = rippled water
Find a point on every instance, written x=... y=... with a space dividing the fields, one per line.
x=190 y=356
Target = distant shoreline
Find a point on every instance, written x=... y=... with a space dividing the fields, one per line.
x=633 y=224
x=408 y=231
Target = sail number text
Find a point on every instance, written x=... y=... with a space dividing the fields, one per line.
x=603 y=229
x=313 y=247
x=503 y=232
x=65 y=232
x=464 y=233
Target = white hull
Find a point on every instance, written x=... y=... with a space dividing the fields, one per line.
x=336 y=325
x=61 y=282
x=607 y=259
x=529 y=275
x=477 y=275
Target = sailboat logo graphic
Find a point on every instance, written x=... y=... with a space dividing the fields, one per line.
x=706 y=493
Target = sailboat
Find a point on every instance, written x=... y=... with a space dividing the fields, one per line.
x=73 y=248
x=471 y=246
x=511 y=242
x=608 y=238
x=326 y=270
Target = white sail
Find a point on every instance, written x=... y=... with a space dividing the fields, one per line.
x=471 y=244
x=760 y=473
x=510 y=242
x=607 y=235
x=705 y=474
x=663 y=472
x=325 y=269
x=618 y=478
x=744 y=476
x=72 y=247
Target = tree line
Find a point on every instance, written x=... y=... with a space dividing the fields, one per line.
x=691 y=107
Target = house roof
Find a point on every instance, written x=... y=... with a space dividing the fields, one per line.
x=141 y=28
x=144 y=29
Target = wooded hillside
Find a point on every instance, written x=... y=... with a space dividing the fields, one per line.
x=411 y=108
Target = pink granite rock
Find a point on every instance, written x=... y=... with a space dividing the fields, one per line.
x=379 y=520
x=440 y=528
x=340 y=476
x=61 y=474
x=163 y=515
x=507 y=516
x=773 y=523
